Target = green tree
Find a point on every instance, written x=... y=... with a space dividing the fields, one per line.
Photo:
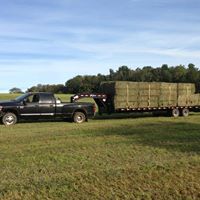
x=192 y=75
x=15 y=90
x=59 y=88
x=146 y=74
x=123 y=74
x=178 y=74
x=166 y=75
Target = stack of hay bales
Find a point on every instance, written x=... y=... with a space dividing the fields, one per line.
x=194 y=100
x=185 y=89
x=168 y=94
x=124 y=94
x=191 y=100
x=186 y=96
x=148 y=95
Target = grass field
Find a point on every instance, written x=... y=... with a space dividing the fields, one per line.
x=4 y=96
x=127 y=158
x=63 y=97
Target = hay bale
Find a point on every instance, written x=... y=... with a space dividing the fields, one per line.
x=182 y=100
x=186 y=89
x=194 y=100
x=168 y=94
x=167 y=103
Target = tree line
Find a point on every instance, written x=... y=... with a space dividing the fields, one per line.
x=176 y=74
x=91 y=83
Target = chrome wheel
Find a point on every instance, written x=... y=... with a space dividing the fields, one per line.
x=79 y=117
x=175 y=112
x=9 y=119
x=185 y=112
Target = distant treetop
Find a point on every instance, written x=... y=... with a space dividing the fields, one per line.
x=15 y=90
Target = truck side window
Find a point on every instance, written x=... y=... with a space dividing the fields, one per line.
x=46 y=98
x=33 y=98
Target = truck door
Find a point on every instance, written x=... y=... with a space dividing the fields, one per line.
x=46 y=105
x=30 y=107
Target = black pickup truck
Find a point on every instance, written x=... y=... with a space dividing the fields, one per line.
x=43 y=106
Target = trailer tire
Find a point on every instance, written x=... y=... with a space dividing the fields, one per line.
x=185 y=112
x=79 y=117
x=175 y=112
x=9 y=119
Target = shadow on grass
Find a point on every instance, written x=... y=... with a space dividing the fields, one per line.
x=175 y=136
x=24 y=121
x=135 y=115
x=123 y=115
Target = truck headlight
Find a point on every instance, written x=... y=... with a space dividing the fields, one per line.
x=1 y=107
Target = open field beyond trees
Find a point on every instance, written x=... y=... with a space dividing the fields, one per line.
x=123 y=158
x=5 y=96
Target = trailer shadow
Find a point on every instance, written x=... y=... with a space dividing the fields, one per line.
x=173 y=136
x=134 y=115
x=123 y=115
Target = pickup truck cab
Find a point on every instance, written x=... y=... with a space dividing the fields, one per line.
x=43 y=105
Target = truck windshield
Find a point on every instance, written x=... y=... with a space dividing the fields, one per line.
x=21 y=98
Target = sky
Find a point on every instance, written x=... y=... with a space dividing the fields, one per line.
x=49 y=42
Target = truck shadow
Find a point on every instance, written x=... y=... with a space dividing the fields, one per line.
x=44 y=120
x=173 y=136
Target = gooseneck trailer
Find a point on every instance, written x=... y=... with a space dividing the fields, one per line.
x=123 y=96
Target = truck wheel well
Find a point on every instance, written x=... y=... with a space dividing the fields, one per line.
x=11 y=111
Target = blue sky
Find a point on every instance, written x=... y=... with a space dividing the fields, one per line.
x=48 y=41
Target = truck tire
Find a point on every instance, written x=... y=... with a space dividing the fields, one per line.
x=9 y=119
x=79 y=117
x=175 y=112
x=185 y=112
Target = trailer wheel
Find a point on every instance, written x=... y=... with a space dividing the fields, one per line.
x=185 y=112
x=79 y=117
x=175 y=112
x=9 y=119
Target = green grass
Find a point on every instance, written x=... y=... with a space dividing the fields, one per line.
x=7 y=96
x=129 y=158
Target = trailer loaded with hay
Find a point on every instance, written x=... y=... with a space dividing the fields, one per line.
x=123 y=96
